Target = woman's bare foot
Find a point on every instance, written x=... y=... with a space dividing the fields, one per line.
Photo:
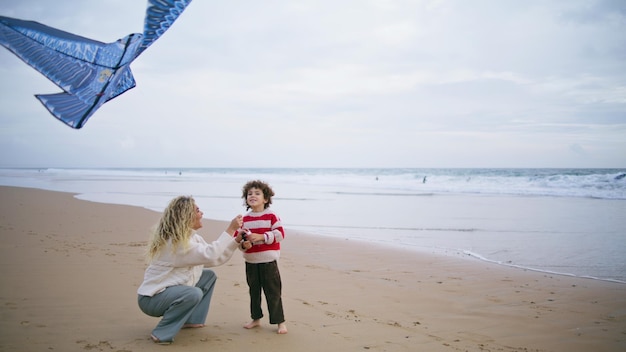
x=282 y=328
x=159 y=342
x=253 y=324
x=189 y=326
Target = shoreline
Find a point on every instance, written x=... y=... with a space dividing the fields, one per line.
x=548 y=272
x=570 y=236
x=71 y=269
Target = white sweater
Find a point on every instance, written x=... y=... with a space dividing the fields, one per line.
x=184 y=267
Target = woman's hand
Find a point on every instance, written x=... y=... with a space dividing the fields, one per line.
x=234 y=225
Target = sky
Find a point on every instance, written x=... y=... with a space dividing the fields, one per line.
x=341 y=83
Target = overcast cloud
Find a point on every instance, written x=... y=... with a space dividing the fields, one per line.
x=347 y=83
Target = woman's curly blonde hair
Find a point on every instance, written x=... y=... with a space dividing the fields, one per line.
x=176 y=225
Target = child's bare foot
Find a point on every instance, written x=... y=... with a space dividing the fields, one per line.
x=282 y=328
x=253 y=324
x=188 y=326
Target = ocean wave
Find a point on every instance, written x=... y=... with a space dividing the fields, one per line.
x=586 y=183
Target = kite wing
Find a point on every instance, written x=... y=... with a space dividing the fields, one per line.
x=160 y=16
x=89 y=72
x=64 y=58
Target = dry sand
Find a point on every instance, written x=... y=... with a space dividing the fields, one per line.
x=70 y=270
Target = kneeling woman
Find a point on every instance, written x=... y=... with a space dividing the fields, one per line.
x=176 y=286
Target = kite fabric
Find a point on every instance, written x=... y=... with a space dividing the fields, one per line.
x=89 y=72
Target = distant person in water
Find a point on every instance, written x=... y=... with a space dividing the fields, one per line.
x=261 y=251
x=424 y=180
x=176 y=284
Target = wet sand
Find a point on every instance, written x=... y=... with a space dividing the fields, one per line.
x=71 y=268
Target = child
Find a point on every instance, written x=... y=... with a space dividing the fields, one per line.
x=261 y=250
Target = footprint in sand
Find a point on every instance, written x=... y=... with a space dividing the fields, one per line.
x=102 y=345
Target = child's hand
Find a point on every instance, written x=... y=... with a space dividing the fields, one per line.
x=256 y=237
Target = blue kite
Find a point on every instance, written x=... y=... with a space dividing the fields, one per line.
x=89 y=72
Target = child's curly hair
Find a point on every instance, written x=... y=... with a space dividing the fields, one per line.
x=264 y=187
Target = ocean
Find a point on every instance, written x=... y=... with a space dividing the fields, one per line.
x=558 y=221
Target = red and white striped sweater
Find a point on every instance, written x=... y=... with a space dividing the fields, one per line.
x=268 y=223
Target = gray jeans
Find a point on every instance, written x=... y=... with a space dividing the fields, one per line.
x=179 y=305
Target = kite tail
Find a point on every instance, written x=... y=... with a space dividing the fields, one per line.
x=68 y=108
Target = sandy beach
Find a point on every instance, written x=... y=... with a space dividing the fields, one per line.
x=70 y=270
